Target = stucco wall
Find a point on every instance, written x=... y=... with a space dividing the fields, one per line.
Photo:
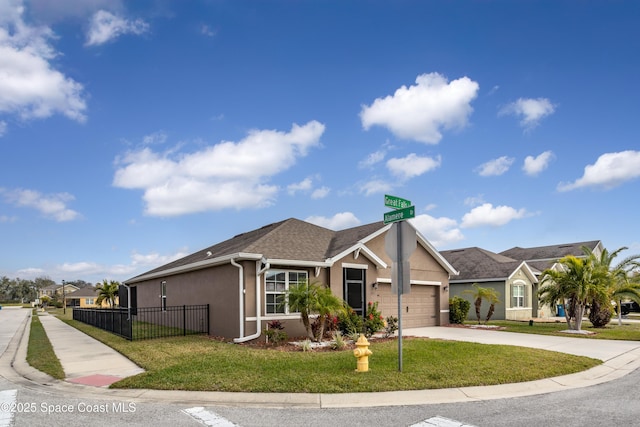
x=216 y=286
x=458 y=289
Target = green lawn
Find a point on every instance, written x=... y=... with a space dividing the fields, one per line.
x=200 y=363
x=628 y=331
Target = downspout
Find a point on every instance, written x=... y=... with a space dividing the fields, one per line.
x=259 y=272
x=128 y=301
x=240 y=294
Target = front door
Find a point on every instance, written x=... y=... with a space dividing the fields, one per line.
x=354 y=289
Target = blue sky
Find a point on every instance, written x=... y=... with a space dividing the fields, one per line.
x=133 y=133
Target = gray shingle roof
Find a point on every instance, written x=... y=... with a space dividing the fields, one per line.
x=480 y=264
x=543 y=257
x=291 y=239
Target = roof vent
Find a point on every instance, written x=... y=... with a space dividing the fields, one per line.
x=209 y=254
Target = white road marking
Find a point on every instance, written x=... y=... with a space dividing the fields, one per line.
x=7 y=401
x=440 y=422
x=208 y=418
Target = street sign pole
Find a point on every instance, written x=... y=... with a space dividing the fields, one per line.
x=400 y=292
x=402 y=210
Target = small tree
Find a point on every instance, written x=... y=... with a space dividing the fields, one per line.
x=479 y=294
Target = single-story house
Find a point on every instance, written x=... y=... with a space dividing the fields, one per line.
x=86 y=298
x=541 y=258
x=513 y=280
x=244 y=279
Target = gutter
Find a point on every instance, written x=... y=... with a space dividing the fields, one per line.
x=259 y=272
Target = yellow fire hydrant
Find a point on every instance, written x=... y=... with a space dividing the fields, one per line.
x=362 y=353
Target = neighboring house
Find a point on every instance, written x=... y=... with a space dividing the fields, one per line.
x=86 y=298
x=57 y=290
x=245 y=279
x=513 y=280
x=544 y=257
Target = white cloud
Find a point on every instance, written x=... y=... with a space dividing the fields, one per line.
x=495 y=167
x=7 y=219
x=610 y=170
x=339 y=221
x=304 y=185
x=52 y=206
x=531 y=111
x=534 y=165
x=474 y=200
x=30 y=87
x=439 y=231
x=105 y=26
x=206 y=30
x=320 y=193
x=3 y=128
x=486 y=214
x=372 y=159
x=376 y=186
x=159 y=137
x=412 y=165
x=422 y=111
x=225 y=175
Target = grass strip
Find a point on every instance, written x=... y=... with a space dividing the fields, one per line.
x=199 y=363
x=40 y=354
x=628 y=331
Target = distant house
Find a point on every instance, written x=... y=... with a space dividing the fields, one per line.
x=86 y=298
x=513 y=280
x=57 y=290
x=541 y=258
x=244 y=279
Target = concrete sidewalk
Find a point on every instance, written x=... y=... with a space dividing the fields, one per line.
x=90 y=366
x=84 y=359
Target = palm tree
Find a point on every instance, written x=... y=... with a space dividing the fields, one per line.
x=620 y=279
x=300 y=299
x=480 y=294
x=313 y=298
x=108 y=291
x=327 y=305
x=576 y=283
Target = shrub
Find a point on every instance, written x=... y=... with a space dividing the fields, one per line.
x=458 y=309
x=274 y=332
x=338 y=341
x=349 y=322
x=391 y=326
x=373 y=320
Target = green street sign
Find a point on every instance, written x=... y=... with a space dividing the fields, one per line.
x=396 y=202
x=400 y=214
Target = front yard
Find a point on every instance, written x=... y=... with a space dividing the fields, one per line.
x=203 y=364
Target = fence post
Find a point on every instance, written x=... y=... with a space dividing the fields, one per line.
x=184 y=320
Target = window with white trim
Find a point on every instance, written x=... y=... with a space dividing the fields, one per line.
x=277 y=283
x=517 y=295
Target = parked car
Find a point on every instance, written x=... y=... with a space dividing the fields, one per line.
x=628 y=307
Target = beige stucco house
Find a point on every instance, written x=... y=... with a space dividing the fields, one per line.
x=245 y=278
x=541 y=258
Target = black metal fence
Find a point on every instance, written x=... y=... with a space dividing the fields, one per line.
x=147 y=322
